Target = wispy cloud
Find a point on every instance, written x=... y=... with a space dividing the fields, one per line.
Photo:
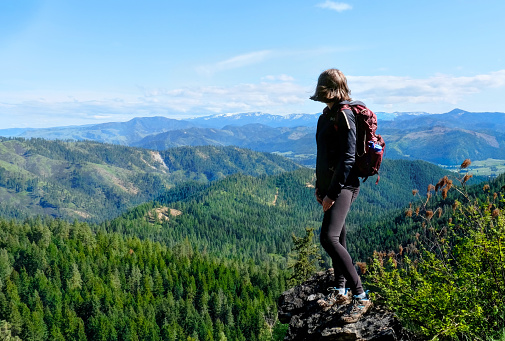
x=440 y=88
x=256 y=57
x=335 y=6
x=284 y=78
x=235 y=62
x=275 y=94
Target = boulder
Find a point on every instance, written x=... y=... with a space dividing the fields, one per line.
x=308 y=321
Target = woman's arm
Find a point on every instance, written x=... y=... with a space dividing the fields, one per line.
x=347 y=144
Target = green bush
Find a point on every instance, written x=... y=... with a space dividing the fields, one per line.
x=450 y=284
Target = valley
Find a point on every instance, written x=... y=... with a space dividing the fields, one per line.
x=108 y=241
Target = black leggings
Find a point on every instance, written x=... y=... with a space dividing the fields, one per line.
x=333 y=240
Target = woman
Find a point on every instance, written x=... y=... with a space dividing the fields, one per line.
x=337 y=186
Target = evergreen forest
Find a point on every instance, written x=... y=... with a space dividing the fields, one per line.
x=107 y=242
x=63 y=281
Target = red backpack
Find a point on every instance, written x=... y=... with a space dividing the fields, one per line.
x=369 y=146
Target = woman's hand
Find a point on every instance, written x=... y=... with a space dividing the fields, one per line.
x=327 y=203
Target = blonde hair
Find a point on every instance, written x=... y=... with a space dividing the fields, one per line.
x=331 y=87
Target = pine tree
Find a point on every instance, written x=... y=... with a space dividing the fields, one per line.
x=5 y=267
x=5 y=332
x=306 y=257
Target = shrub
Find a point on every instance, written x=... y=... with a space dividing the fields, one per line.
x=451 y=283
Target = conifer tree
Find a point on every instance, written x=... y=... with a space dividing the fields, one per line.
x=306 y=257
x=5 y=332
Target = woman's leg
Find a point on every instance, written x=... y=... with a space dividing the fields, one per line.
x=333 y=241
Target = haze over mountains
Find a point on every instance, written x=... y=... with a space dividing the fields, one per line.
x=443 y=139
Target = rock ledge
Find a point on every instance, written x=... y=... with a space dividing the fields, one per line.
x=307 y=321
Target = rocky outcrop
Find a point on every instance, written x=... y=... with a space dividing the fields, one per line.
x=307 y=321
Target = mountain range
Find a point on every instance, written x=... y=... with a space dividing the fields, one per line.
x=137 y=128
x=444 y=139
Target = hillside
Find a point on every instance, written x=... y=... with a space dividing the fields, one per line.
x=93 y=181
x=205 y=260
x=395 y=228
x=255 y=210
x=122 y=133
x=297 y=143
x=244 y=216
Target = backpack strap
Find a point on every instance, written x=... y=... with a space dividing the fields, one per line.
x=345 y=116
x=346 y=105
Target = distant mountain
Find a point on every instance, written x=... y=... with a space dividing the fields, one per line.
x=130 y=132
x=295 y=143
x=444 y=139
x=221 y=120
x=390 y=116
x=446 y=146
x=93 y=181
x=457 y=118
x=13 y=132
x=122 y=133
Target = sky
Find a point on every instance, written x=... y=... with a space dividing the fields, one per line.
x=74 y=62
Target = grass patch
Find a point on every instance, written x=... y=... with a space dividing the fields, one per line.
x=489 y=167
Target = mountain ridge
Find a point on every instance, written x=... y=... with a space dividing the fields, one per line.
x=94 y=181
x=214 y=121
x=462 y=134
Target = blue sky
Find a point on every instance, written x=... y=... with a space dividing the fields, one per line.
x=84 y=62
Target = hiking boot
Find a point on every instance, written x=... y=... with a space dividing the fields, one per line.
x=334 y=298
x=357 y=309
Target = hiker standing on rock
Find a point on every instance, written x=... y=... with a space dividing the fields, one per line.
x=337 y=186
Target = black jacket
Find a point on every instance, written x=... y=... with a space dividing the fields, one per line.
x=336 y=146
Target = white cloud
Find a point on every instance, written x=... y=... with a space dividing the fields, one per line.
x=234 y=62
x=275 y=94
x=278 y=95
x=335 y=6
x=263 y=96
x=283 y=78
x=441 y=88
